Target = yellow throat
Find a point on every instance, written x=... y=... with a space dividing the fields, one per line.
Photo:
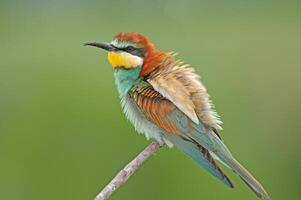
x=124 y=59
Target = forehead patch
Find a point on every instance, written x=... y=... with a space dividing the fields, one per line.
x=123 y=44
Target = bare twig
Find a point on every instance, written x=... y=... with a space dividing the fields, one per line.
x=127 y=171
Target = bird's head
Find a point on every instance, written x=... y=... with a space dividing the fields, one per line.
x=130 y=50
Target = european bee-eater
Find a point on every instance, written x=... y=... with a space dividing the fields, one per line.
x=164 y=99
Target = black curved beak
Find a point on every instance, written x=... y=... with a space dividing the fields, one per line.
x=103 y=45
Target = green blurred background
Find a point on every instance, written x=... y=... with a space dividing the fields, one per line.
x=62 y=132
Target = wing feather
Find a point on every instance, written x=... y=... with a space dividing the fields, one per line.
x=181 y=85
x=174 y=99
x=178 y=128
x=154 y=106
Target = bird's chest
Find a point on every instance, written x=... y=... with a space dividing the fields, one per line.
x=125 y=80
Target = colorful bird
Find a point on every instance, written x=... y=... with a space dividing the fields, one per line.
x=165 y=100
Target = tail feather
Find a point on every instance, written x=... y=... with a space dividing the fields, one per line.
x=221 y=152
x=247 y=177
x=250 y=186
x=201 y=156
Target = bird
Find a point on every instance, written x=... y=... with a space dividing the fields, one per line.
x=166 y=101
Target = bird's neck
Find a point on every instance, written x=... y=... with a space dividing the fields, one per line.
x=125 y=79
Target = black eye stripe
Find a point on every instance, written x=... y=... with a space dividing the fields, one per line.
x=114 y=46
x=130 y=48
x=133 y=50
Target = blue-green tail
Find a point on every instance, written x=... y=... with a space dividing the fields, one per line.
x=201 y=156
x=204 y=145
x=206 y=160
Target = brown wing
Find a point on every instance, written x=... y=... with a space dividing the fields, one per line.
x=154 y=106
x=181 y=85
x=158 y=109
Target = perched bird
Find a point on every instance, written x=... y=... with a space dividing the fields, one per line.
x=164 y=99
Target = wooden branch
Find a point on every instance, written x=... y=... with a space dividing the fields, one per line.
x=127 y=171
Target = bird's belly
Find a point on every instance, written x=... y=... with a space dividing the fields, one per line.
x=141 y=123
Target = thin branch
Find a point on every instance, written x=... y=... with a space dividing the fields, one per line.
x=127 y=171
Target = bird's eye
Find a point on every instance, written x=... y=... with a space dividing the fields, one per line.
x=129 y=48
